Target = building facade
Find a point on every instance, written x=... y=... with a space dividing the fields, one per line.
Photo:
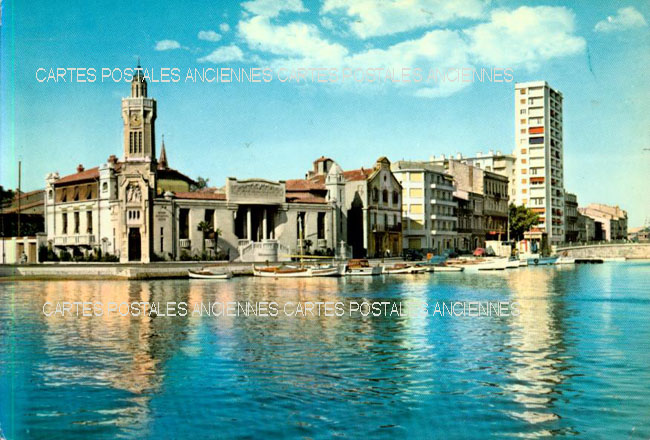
x=539 y=153
x=428 y=206
x=571 y=217
x=610 y=221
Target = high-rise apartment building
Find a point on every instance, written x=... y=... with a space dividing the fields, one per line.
x=539 y=174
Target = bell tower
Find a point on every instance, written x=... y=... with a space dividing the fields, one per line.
x=139 y=116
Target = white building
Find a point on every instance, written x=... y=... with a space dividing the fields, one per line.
x=428 y=206
x=539 y=152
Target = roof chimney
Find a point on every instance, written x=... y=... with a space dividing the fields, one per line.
x=80 y=168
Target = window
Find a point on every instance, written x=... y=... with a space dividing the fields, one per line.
x=522 y=101
x=76 y=222
x=395 y=198
x=64 y=223
x=523 y=181
x=523 y=151
x=384 y=196
x=375 y=195
x=104 y=187
x=416 y=209
x=162 y=239
x=522 y=121
x=416 y=177
x=522 y=91
x=49 y=194
x=64 y=195
x=89 y=222
x=89 y=192
x=76 y=193
x=321 y=226
x=523 y=131
x=523 y=160
x=415 y=192
x=524 y=171
x=524 y=191
x=522 y=111
x=536 y=140
x=184 y=223
x=208 y=217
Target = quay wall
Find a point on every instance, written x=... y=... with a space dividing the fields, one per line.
x=630 y=251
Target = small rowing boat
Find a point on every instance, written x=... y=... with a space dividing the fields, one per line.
x=401 y=268
x=209 y=274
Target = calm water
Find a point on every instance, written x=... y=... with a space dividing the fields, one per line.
x=576 y=361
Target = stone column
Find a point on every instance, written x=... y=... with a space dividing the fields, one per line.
x=264 y=225
x=249 y=224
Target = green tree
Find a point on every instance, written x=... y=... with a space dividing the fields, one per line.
x=520 y=220
x=201 y=183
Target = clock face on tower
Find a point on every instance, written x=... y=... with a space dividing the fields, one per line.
x=136 y=119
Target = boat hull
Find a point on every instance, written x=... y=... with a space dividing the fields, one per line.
x=206 y=275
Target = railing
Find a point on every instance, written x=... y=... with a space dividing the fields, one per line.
x=74 y=240
x=185 y=243
x=321 y=243
x=209 y=242
x=267 y=250
x=593 y=243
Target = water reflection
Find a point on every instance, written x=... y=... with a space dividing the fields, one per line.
x=535 y=342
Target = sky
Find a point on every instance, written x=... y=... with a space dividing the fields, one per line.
x=595 y=53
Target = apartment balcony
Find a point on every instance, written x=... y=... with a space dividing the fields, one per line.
x=387 y=228
x=443 y=186
x=443 y=232
x=74 y=240
x=321 y=243
x=443 y=202
x=210 y=243
x=443 y=217
x=185 y=243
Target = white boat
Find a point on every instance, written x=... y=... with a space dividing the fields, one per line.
x=494 y=264
x=565 y=260
x=402 y=268
x=326 y=271
x=445 y=268
x=209 y=274
x=361 y=267
x=523 y=263
x=512 y=264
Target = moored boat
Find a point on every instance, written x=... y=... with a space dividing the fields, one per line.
x=512 y=264
x=361 y=267
x=209 y=274
x=542 y=261
x=447 y=268
x=401 y=268
x=281 y=272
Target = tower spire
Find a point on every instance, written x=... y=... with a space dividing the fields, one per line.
x=162 y=161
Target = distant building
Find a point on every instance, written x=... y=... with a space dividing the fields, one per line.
x=639 y=234
x=539 y=153
x=571 y=217
x=30 y=206
x=586 y=228
x=499 y=163
x=612 y=220
x=428 y=206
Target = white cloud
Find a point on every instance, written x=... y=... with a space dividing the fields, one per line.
x=370 y=18
x=295 y=39
x=625 y=18
x=527 y=36
x=209 y=36
x=223 y=54
x=224 y=27
x=272 y=8
x=167 y=45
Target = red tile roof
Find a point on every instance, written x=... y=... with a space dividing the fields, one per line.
x=360 y=174
x=304 y=184
x=89 y=174
x=200 y=195
x=304 y=197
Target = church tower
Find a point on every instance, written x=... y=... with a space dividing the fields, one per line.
x=139 y=116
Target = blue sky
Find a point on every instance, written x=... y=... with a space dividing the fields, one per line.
x=596 y=53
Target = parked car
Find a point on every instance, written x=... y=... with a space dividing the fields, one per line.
x=479 y=252
x=412 y=255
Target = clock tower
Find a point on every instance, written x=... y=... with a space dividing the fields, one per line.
x=139 y=116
